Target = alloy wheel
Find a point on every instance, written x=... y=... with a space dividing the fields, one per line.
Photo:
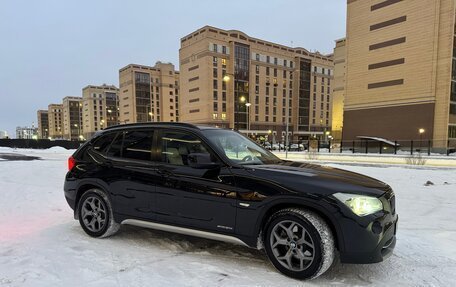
x=93 y=213
x=292 y=245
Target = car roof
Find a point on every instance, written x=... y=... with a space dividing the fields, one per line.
x=159 y=124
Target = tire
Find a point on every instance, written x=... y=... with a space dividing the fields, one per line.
x=96 y=215
x=308 y=253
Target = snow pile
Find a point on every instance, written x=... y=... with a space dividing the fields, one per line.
x=41 y=244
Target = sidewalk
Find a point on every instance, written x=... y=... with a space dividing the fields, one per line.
x=432 y=160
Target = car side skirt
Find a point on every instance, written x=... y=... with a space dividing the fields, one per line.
x=185 y=231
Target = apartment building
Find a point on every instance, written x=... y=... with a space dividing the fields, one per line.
x=55 y=116
x=100 y=108
x=338 y=94
x=149 y=94
x=401 y=70
x=43 y=124
x=27 y=133
x=229 y=79
x=72 y=118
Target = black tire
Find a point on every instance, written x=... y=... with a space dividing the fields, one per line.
x=294 y=258
x=96 y=229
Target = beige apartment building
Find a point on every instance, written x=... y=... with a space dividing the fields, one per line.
x=100 y=108
x=55 y=116
x=149 y=94
x=400 y=70
x=338 y=94
x=229 y=79
x=43 y=124
x=72 y=118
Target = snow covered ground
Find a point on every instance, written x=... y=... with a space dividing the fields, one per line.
x=41 y=244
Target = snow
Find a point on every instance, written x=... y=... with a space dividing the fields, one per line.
x=42 y=245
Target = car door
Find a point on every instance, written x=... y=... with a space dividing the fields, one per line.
x=204 y=198
x=132 y=175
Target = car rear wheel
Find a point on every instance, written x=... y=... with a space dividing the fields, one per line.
x=95 y=214
x=299 y=243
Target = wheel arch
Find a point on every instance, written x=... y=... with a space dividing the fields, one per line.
x=317 y=209
x=83 y=187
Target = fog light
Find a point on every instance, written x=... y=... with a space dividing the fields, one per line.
x=377 y=227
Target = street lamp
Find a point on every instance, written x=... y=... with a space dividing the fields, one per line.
x=421 y=132
x=248 y=117
x=79 y=129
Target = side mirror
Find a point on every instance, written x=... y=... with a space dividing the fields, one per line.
x=201 y=161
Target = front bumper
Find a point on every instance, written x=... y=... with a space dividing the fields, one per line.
x=383 y=248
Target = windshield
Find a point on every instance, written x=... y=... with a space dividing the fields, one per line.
x=238 y=148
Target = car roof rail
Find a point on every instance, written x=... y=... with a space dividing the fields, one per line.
x=148 y=124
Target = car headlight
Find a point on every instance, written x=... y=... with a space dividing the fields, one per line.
x=361 y=205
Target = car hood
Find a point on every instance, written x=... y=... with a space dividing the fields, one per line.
x=312 y=178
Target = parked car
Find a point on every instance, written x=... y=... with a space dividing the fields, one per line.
x=217 y=184
x=296 y=147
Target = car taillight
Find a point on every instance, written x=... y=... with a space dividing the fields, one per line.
x=71 y=163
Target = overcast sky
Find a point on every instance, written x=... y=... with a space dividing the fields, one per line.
x=52 y=49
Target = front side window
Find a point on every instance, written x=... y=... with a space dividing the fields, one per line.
x=176 y=146
x=238 y=148
x=137 y=145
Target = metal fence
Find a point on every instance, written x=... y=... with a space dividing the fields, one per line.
x=39 y=144
x=404 y=147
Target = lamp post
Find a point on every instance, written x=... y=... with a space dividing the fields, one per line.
x=248 y=117
x=79 y=130
x=287 y=125
x=421 y=132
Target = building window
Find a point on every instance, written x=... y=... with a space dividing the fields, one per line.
x=275 y=61
x=215 y=84
x=223 y=116
x=223 y=107
x=214 y=72
x=267 y=71
x=215 y=94
x=214 y=47
x=214 y=116
x=268 y=59
x=275 y=72
x=214 y=61
x=224 y=49
x=215 y=106
x=224 y=63
x=257 y=69
x=257 y=57
x=267 y=91
x=223 y=96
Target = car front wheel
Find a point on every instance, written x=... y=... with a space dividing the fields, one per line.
x=299 y=243
x=95 y=214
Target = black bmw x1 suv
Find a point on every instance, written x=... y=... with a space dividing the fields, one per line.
x=218 y=184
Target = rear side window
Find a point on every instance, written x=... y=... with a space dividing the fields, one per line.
x=103 y=143
x=116 y=146
x=137 y=145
